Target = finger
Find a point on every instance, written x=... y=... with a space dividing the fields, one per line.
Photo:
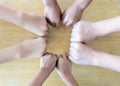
x=75 y=39
x=65 y=21
x=50 y=22
x=75 y=45
x=44 y=54
x=72 y=51
x=55 y=56
x=76 y=24
x=69 y=23
x=71 y=58
x=54 y=24
x=50 y=55
x=65 y=55
x=63 y=16
x=58 y=24
x=60 y=56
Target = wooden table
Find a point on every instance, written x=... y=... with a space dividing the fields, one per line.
x=20 y=72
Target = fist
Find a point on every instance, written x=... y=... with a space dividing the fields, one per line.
x=83 y=31
x=81 y=54
x=53 y=14
x=72 y=14
x=48 y=61
x=64 y=65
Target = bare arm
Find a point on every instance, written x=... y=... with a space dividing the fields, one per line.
x=40 y=77
x=69 y=79
x=108 y=61
x=85 y=55
x=47 y=65
x=83 y=3
x=28 y=48
x=10 y=53
x=108 y=26
x=64 y=67
x=9 y=14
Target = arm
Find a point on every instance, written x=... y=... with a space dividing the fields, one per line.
x=9 y=14
x=48 y=63
x=9 y=53
x=28 y=48
x=85 y=55
x=83 y=3
x=40 y=77
x=52 y=12
x=31 y=22
x=107 y=26
x=64 y=66
x=69 y=79
x=108 y=61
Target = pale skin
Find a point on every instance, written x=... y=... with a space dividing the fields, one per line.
x=64 y=67
x=87 y=31
x=85 y=55
x=30 y=48
x=78 y=6
x=31 y=22
x=47 y=65
x=52 y=12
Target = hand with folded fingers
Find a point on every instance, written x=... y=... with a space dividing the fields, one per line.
x=47 y=65
x=64 y=67
x=84 y=31
x=53 y=12
x=74 y=12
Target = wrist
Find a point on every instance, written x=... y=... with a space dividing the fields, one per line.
x=49 y=2
x=71 y=80
x=99 y=32
x=82 y=4
x=17 y=49
x=95 y=58
x=20 y=16
x=43 y=69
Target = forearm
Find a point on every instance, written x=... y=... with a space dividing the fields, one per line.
x=108 y=26
x=83 y=3
x=40 y=77
x=69 y=79
x=108 y=61
x=49 y=2
x=10 y=53
x=9 y=14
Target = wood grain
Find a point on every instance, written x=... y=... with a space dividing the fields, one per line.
x=20 y=72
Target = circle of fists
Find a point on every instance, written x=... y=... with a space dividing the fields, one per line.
x=80 y=53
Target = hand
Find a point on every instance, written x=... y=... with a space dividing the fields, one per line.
x=35 y=23
x=48 y=61
x=53 y=13
x=72 y=14
x=47 y=64
x=83 y=31
x=35 y=47
x=82 y=54
x=64 y=65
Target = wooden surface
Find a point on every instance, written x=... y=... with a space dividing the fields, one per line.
x=20 y=72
